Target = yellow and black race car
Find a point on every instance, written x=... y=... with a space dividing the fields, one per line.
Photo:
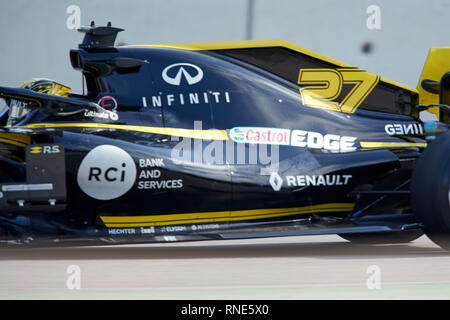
x=223 y=140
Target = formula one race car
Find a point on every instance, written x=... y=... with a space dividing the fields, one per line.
x=224 y=140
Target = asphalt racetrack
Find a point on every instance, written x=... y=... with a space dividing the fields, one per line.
x=309 y=267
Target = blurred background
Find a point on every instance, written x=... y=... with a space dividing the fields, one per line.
x=390 y=38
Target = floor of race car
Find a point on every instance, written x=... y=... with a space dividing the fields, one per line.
x=309 y=267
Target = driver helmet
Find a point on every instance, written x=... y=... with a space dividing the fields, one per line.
x=47 y=86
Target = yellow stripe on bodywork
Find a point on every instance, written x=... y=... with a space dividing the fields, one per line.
x=12 y=142
x=369 y=144
x=199 y=46
x=218 y=216
x=20 y=140
x=178 y=132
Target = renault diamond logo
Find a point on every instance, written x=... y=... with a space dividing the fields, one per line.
x=175 y=72
x=36 y=149
x=275 y=181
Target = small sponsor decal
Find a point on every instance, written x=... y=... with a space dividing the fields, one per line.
x=158 y=230
x=102 y=115
x=296 y=138
x=237 y=134
x=161 y=184
x=106 y=172
x=401 y=129
x=51 y=149
x=147 y=230
x=131 y=231
x=108 y=103
x=36 y=150
x=276 y=181
x=176 y=73
x=191 y=98
x=179 y=74
x=204 y=227
x=260 y=135
x=152 y=162
x=319 y=180
x=150 y=176
x=174 y=229
x=121 y=231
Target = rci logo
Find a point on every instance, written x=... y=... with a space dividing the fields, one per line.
x=106 y=172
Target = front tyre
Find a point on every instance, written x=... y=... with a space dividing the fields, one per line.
x=430 y=190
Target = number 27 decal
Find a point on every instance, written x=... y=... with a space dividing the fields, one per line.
x=322 y=86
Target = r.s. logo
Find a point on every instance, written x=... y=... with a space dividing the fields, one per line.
x=106 y=172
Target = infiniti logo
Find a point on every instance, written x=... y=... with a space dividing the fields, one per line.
x=182 y=72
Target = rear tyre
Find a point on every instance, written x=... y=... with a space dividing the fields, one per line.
x=430 y=190
x=383 y=237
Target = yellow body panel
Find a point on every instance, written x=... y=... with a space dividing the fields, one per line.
x=437 y=63
x=17 y=139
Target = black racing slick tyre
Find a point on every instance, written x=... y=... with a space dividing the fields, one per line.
x=383 y=237
x=430 y=190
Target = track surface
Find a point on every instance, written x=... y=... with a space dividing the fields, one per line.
x=311 y=267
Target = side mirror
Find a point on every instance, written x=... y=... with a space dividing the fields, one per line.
x=444 y=97
x=430 y=86
x=126 y=65
x=102 y=68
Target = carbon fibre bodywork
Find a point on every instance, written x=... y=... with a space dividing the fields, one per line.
x=208 y=144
